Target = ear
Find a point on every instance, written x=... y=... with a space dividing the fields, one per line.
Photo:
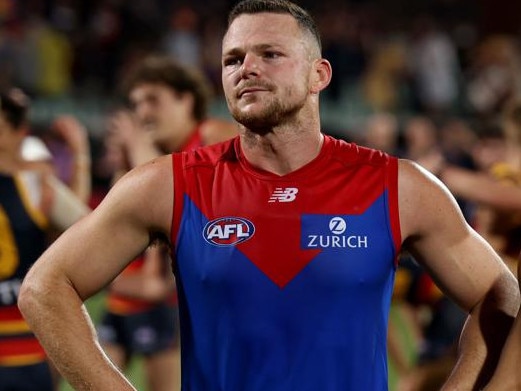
x=321 y=75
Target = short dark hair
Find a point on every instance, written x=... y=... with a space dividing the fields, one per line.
x=164 y=70
x=303 y=18
x=14 y=105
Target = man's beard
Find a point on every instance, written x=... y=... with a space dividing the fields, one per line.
x=273 y=114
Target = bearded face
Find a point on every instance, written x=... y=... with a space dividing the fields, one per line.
x=266 y=109
x=266 y=70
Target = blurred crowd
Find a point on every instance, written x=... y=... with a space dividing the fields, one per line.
x=438 y=59
x=435 y=86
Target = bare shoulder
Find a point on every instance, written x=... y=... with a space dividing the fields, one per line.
x=215 y=130
x=151 y=177
x=418 y=185
x=413 y=177
x=146 y=192
x=425 y=202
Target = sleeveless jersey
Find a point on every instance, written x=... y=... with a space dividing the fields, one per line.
x=285 y=282
x=22 y=241
x=124 y=305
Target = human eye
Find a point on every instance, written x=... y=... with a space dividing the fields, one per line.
x=270 y=54
x=232 y=61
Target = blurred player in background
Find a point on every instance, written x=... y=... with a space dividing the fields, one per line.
x=32 y=201
x=168 y=113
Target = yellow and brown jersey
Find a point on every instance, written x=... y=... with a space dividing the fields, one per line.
x=22 y=240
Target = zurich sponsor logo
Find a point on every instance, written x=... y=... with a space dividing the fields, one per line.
x=228 y=231
x=334 y=236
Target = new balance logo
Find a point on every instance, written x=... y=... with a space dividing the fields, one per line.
x=286 y=194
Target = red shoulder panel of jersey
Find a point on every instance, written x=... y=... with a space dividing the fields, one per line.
x=212 y=154
x=360 y=160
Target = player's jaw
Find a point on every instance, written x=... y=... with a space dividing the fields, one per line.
x=260 y=111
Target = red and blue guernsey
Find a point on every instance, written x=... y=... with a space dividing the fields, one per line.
x=285 y=282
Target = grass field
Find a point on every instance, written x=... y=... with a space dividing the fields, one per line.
x=135 y=373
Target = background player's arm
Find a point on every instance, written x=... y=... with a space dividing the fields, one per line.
x=464 y=266
x=475 y=186
x=76 y=138
x=481 y=188
x=86 y=258
x=65 y=207
x=52 y=197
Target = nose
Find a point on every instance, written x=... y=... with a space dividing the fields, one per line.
x=250 y=66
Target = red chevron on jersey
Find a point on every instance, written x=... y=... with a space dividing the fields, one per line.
x=228 y=231
x=267 y=258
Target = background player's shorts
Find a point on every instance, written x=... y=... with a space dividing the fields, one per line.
x=144 y=333
x=35 y=377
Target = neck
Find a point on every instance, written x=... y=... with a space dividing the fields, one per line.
x=281 y=151
x=180 y=138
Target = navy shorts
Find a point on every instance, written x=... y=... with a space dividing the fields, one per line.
x=144 y=333
x=35 y=377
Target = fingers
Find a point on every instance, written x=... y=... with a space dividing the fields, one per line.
x=72 y=132
x=123 y=127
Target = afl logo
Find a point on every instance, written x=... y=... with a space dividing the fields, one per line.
x=228 y=231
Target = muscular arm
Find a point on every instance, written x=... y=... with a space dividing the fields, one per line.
x=82 y=261
x=464 y=266
x=507 y=376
